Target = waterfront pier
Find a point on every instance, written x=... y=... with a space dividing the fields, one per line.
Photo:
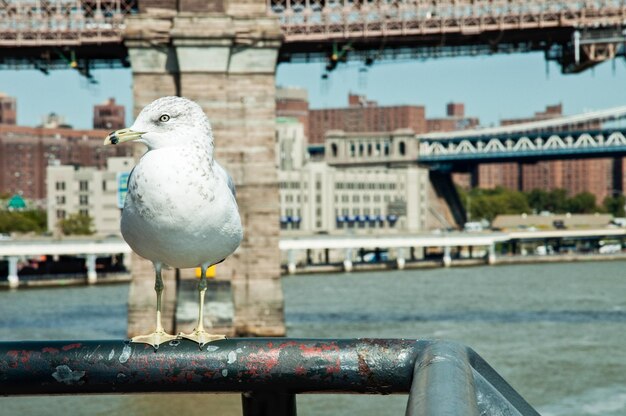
x=332 y=253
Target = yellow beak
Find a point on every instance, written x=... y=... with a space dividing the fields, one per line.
x=123 y=135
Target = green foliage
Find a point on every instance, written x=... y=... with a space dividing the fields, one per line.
x=615 y=205
x=77 y=224
x=582 y=203
x=23 y=221
x=489 y=203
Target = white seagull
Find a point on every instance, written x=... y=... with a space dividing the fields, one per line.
x=180 y=209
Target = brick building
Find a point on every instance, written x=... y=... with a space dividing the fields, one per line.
x=8 y=109
x=455 y=120
x=293 y=103
x=575 y=176
x=109 y=116
x=363 y=115
x=25 y=152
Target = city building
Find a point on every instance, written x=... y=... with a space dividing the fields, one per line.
x=455 y=120
x=575 y=176
x=367 y=183
x=54 y=121
x=88 y=191
x=25 y=152
x=109 y=116
x=363 y=115
x=8 y=109
x=293 y=102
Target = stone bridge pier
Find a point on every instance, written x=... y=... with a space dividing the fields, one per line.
x=221 y=54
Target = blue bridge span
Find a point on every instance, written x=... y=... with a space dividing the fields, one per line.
x=574 y=137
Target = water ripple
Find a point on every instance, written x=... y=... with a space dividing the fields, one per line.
x=562 y=316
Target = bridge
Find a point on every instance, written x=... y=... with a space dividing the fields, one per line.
x=560 y=138
x=86 y=34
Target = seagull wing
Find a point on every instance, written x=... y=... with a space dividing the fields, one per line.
x=221 y=172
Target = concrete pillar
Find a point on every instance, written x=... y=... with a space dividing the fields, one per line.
x=491 y=256
x=291 y=262
x=447 y=258
x=92 y=276
x=347 y=262
x=225 y=60
x=227 y=64
x=13 y=278
x=400 y=261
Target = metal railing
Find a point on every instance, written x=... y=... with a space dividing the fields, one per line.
x=310 y=20
x=441 y=378
x=62 y=22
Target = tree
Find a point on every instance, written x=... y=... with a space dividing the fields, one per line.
x=556 y=201
x=582 y=203
x=538 y=200
x=489 y=203
x=615 y=205
x=77 y=224
x=22 y=221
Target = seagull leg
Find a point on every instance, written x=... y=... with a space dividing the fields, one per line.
x=159 y=336
x=199 y=335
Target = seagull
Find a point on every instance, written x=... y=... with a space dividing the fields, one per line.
x=180 y=209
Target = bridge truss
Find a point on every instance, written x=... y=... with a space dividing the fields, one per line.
x=48 y=34
x=577 y=34
x=461 y=154
x=576 y=136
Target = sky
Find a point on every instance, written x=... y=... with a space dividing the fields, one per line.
x=492 y=87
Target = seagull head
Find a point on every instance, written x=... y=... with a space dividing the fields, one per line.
x=167 y=122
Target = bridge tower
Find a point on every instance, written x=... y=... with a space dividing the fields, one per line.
x=221 y=54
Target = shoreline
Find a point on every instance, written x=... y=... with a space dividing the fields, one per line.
x=459 y=262
x=339 y=268
x=68 y=281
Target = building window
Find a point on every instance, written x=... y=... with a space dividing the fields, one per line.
x=84 y=185
x=60 y=186
x=84 y=212
x=83 y=200
x=104 y=185
x=402 y=148
x=60 y=199
x=333 y=149
x=60 y=214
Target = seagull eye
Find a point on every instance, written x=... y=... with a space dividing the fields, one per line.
x=164 y=118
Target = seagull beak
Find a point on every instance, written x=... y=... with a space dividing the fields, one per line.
x=123 y=135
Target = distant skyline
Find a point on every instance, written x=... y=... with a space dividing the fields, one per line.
x=491 y=87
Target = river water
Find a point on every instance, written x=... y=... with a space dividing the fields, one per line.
x=555 y=332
